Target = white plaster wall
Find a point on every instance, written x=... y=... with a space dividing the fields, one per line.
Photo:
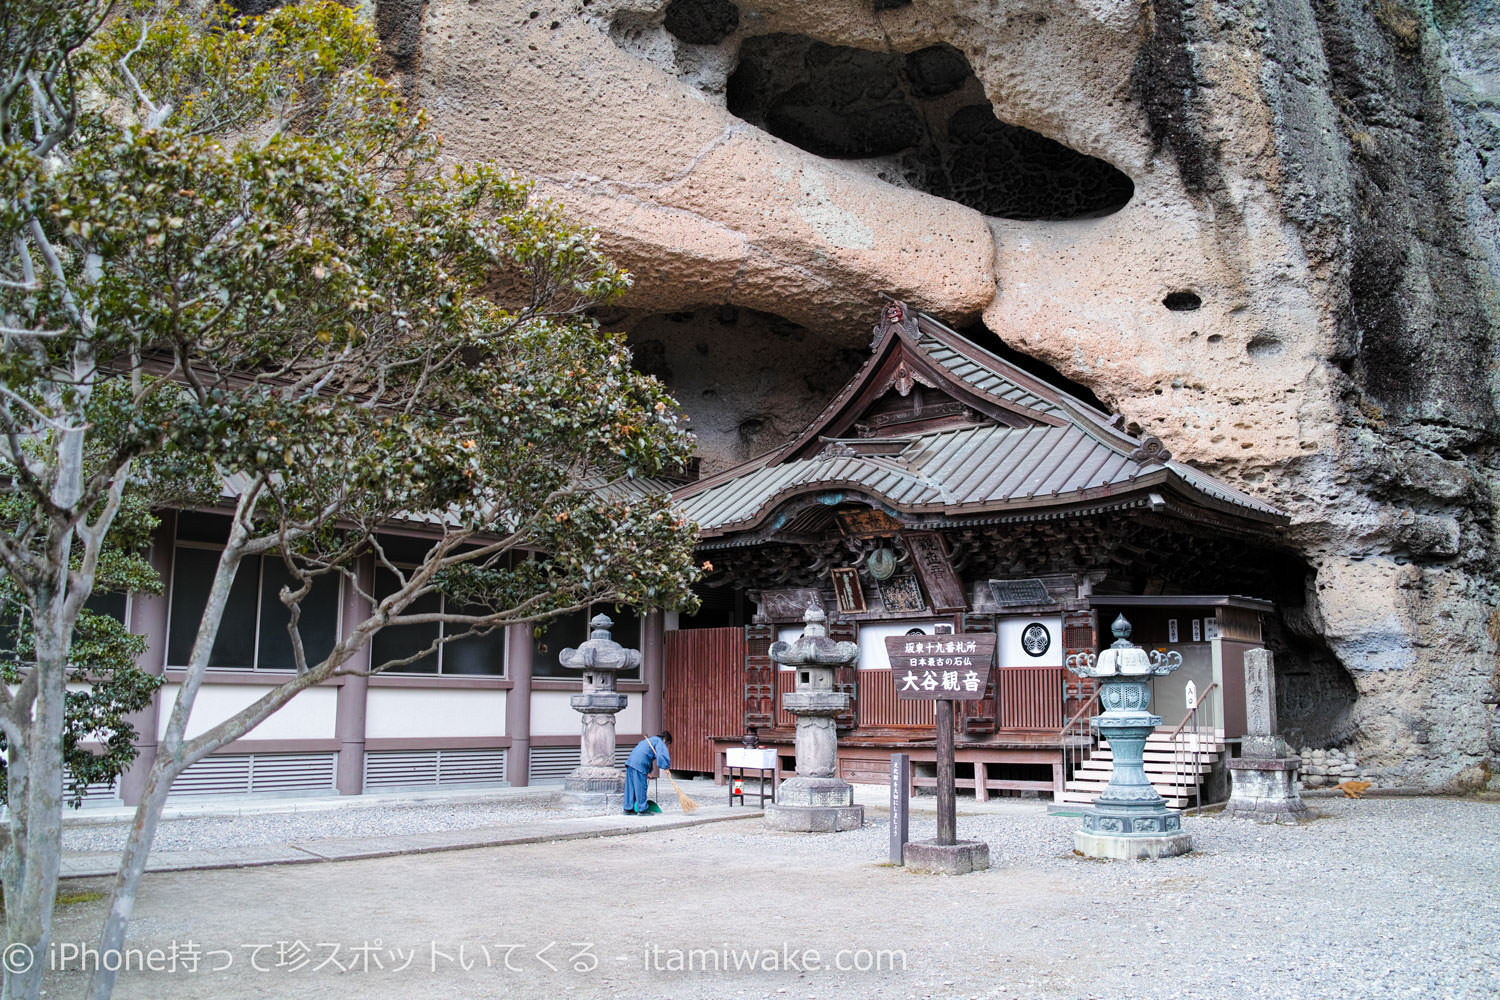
x=308 y=716
x=552 y=715
x=872 y=655
x=409 y=713
x=1009 y=653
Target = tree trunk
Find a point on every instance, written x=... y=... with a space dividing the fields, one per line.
x=34 y=854
x=128 y=877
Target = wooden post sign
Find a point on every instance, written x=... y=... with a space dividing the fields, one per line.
x=933 y=667
x=944 y=669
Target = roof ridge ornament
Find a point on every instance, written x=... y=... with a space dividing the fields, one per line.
x=896 y=314
x=1151 y=451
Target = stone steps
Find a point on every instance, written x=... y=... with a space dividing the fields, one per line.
x=1169 y=766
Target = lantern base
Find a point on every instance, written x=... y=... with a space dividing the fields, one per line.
x=599 y=789
x=1131 y=848
x=814 y=805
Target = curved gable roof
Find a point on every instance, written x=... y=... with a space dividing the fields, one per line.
x=1033 y=448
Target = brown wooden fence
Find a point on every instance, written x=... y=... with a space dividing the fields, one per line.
x=879 y=706
x=1029 y=697
x=704 y=692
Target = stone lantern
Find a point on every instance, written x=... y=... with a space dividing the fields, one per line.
x=817 y=800
x=598 y=782
x=1129 y=819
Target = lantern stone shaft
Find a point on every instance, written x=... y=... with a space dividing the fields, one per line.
x=817 y=800
x=1129 y=819
x=598 y=783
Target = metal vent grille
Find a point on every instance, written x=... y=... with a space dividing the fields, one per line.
x=100 y=793
x=433 y=768
x=249 y=774
x=556 y=763
x=552 y=763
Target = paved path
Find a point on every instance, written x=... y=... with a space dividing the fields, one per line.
x=1376 y=900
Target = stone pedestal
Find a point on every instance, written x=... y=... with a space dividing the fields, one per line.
x=1263 y=782
x=817 y=800
x=814 y=805
x=1265 y=789
x=958 y=858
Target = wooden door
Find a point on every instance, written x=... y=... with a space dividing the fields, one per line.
x=704 y=692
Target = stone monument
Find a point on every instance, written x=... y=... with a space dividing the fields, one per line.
x=1129 y=819
x=817 y=800
x=598 y=783
x=1263 y=780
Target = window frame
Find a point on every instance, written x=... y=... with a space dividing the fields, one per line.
x=178 y=544
x=498 y=634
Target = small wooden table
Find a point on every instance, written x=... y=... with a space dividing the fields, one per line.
x=744 y=760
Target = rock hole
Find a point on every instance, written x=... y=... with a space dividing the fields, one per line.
x=702 y=22
x=1182 y=301
x=1264 y=345
x=921 y=117
x=1214 y=338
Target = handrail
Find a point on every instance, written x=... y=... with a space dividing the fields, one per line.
x=1192 y=710
x=1178 y=751
x=1086 y=706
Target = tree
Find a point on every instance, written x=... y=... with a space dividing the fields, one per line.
x=98 y=734
x=230 y=251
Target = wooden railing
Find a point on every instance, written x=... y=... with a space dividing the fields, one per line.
x=1183 y=756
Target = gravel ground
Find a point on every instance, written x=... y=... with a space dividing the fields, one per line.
x=1374 y=899
x=252 y=829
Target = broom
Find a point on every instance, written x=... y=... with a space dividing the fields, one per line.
x=687 y=804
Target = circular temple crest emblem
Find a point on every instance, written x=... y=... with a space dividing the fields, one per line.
x=1035 y=639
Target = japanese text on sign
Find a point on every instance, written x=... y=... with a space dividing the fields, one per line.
x=955 y=668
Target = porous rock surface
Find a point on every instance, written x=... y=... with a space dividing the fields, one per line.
x=1300 y=294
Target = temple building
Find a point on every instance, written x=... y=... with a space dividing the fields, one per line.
x=946 y=491
x=943 y=491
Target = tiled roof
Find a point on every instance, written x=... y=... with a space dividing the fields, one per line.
x=1071 y=454
x=964 y=470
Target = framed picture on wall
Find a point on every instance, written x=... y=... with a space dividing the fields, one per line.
x=847 y=591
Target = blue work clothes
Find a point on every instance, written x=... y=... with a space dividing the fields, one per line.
x=648 y=753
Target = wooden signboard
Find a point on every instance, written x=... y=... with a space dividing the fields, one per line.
x=955 y=667
x=789 y=605
x=866 y=522
x=902 y=596
x=847 y=591
x=926 y=548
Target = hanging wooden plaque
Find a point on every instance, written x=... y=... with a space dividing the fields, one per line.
x=931 y=560
x=847 y=591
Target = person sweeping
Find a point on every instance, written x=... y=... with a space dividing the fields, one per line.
x=649 y=753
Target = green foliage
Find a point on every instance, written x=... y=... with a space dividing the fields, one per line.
x=98 y=739
x=243 y=262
